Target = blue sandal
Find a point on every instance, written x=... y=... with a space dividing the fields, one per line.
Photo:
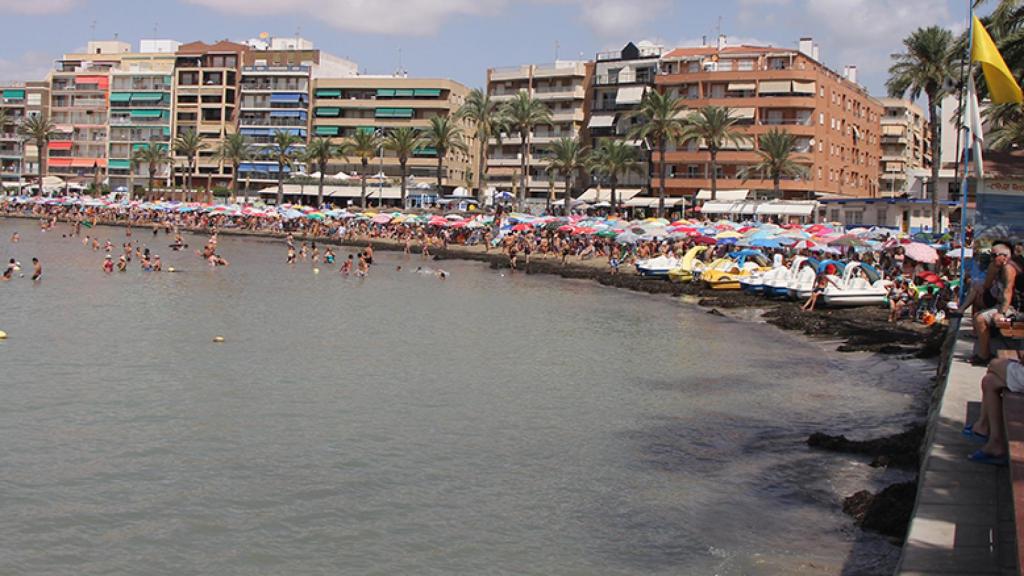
x=983 y=458
x=970 y=433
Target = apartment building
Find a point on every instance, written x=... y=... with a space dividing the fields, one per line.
x=206 y=100
x=79 y=107
x=906 y=144
x=18 y=158
x=835 y=122
x=344 y=106
x=141 y=96
x=565 y=87
x=620 y=80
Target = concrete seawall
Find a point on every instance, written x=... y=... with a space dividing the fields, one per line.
x=963 y=517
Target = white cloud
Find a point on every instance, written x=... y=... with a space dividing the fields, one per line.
x=31 y=66
x=620 y=17
x=407 y=17
x=36 y=6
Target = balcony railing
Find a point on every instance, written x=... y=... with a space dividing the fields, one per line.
x=623 y=78
x=786 y=122
x=283 y=122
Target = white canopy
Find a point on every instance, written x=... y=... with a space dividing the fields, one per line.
x=601 y=121
x=629 y=95
x=650 y=202
x=792 y=208
x=767 y=208
x=460 y=191
x=372 y=192
x=729 y=207
x=593 y=195
x=724 y=195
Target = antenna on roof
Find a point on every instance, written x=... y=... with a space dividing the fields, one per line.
x=556 y=50
x=92 y=30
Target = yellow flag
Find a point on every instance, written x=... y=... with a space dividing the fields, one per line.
x=1002 y=86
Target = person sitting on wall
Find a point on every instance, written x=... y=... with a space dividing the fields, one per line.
x=1003 y=374
x=995 y=299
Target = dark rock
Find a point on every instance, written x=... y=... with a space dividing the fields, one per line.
x=899 y=450
x=715 y=312
x=887 y=512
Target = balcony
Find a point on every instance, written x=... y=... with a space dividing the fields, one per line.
x=567 y=116
x=281 y=122
x=623 y=78
x=786 y=121
x=560 y=93
x=510 y=73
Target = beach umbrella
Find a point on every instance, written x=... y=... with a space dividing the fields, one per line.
x=381 y=219
x=765 y=243
x=704 y=241
x=522 y=227
x=921 y=252
x=606 y=234
x=848 y=241
x=728 y=235
x=627 y=238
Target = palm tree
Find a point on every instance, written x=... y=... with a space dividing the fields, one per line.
x=715 y=126
x=189 y=144
x=479 y=108
x=320 y=152
x=39 y=130
x=925 y=68
x=444 y=135
x=1008 y=133
x=154 y=156
x=284 y=152
x=615 y=158
x=520 y=115
x=659 y=125
x=403 y=141
x=234 y=150
x=365 y=144
x=775 y=148
x=567 y=158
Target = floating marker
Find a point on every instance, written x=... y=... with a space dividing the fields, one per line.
x=316 y=270
x=171 y=269
x=3 y=335
x=218 y=339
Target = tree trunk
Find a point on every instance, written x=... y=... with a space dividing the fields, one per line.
x=362 y=196
x=188 y=177
x=613 y=183
x=525 y=169
x=131 y=180
x=481 y=176
x=567 y=197
x=401 y=163
x=41 y=154
x=663 y=170
x=320 y=190
x=440 y=169
x=280 y=183
x=714 y=173
x=234 y=179
x=152 y=176
x=777 y=185
x=936 y=162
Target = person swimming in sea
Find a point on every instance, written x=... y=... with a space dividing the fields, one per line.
x=329 y=256
x=346 y=266
x=108 y=264
x=37 y=270
x=156 y=265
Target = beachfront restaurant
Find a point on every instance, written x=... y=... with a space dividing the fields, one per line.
x=910 y=215
x=306 y=194
x=781 y=211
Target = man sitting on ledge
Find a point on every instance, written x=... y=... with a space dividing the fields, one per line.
x=1003 y=374
x=995 y=299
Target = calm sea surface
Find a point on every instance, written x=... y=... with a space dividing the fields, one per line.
x=400 y=424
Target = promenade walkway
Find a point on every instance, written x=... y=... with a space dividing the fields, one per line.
x=963 y=518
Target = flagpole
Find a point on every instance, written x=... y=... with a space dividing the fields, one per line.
x=966 y=159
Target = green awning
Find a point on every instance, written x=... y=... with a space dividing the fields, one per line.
x=326 y=130
x=385 y=93
x=366 y=129
x=14 y=94
x=168 y=80
x=393 y=113
x=147 y=113
x=145 y=145
x=426 y=151
x=404 y=93
x=435 y=92
x=327 y=112
x=328 y=93
x=119 y=164
x=167 y=130
x=120 y=96
x=147 y=96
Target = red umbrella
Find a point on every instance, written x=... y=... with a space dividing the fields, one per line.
x=584 y=230
x=566 y=228
x=705 y=240
x=522 y=227
x=921 y=252
x=458 y=224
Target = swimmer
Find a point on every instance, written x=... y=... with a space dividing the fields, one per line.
x=15 y=237
x=37 y=270
x=122 y=264
x=442 y=274
x=108 y=264
x=346 y=266
x=157 y=266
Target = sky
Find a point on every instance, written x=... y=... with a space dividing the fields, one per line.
x=461 y=39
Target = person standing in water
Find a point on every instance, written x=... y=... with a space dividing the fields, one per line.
x=37 y=270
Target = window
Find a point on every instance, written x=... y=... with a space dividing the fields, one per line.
x=833 y=215
x=881 y=217
x=821 y=118
x=855 y=217
x=692 y=171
